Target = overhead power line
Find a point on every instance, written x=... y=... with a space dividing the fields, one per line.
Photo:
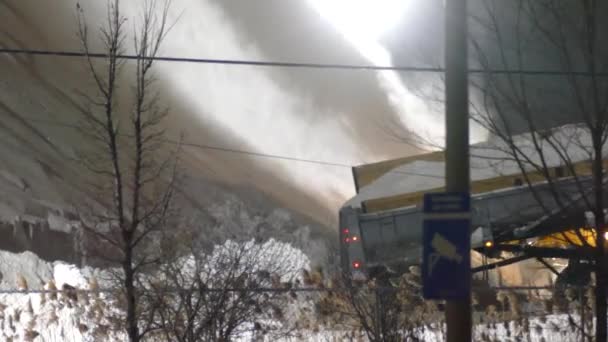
x=337 y=66
x=219 y=61
x=234 y=150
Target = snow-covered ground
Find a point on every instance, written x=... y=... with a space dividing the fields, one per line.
x=92 y=315
x=554 y=328
x=82 y=309
x=30 y=314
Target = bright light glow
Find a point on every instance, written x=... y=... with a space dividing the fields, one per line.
x=355 y=238
x=356 y=264
x=363 y=23
x=606 y=236
x=489 y=244
x=362 y=18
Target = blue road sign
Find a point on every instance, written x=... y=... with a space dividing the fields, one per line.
x=446 y=202
x=446 y=246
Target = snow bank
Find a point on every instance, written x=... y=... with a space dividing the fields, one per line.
x=81 y=317
x=69 y=275
x=25 y=265
x=28 y=315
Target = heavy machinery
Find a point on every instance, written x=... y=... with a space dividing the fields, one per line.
x=392 y=238
x=385 y=233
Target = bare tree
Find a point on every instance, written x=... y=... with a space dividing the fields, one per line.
x=132 y=184
x=382 y=312
x=239 y=289
x=566 y=35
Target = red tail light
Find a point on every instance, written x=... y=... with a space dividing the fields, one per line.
x=345 y=231
x=347 y=240
x=356 y=264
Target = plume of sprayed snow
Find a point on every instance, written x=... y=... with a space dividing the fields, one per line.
x=249 y=103
x=420 y=118
x=245 y=101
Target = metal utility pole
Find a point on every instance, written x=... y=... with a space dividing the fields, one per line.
x=458 y=313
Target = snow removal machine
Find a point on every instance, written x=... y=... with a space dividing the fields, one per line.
x=380 y=229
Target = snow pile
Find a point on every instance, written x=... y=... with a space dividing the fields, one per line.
x=69 y=274
x=539 y=329
x=80 y=316
x=29 y=314
x=26 y=265
x=68 y=316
